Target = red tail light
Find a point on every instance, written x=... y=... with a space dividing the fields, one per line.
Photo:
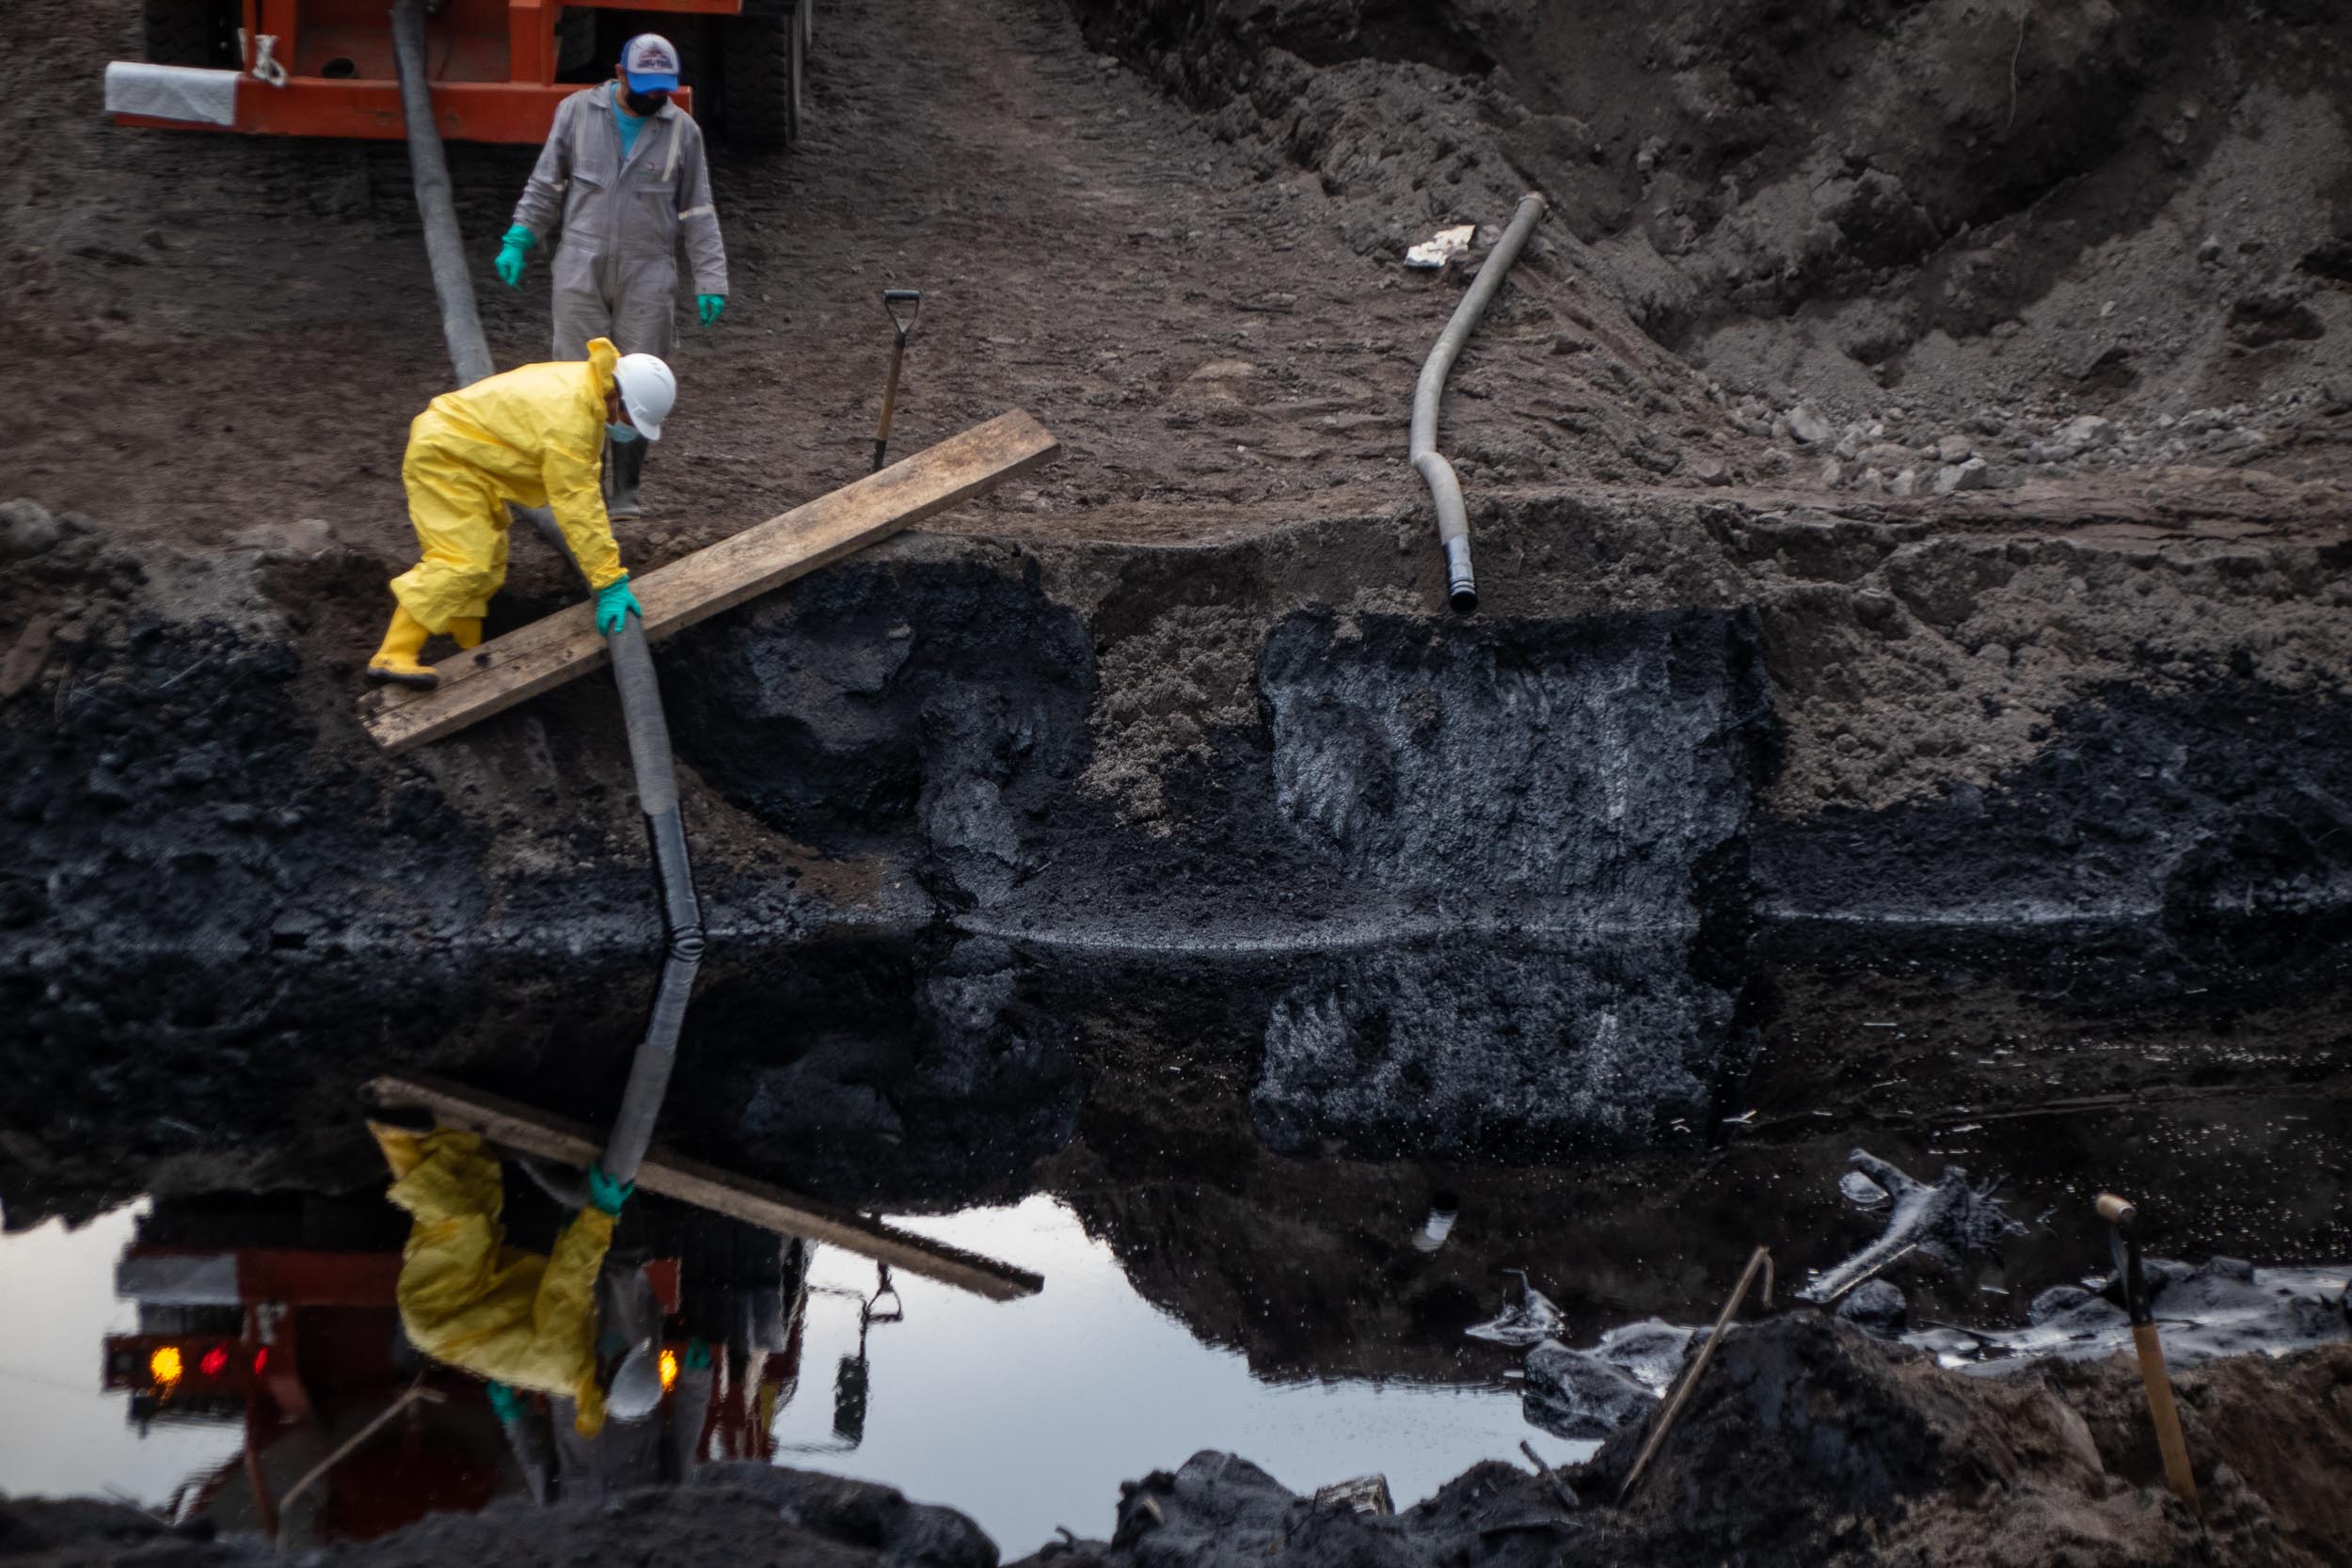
x=260 y=1361
x=214 y=1362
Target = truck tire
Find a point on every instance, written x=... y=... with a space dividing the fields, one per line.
x=761 y=74
x=192 y=32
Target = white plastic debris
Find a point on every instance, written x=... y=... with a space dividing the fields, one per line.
x=1862 y=1192
x=1528 y=1317
x=172 y=92
x=1441 y=248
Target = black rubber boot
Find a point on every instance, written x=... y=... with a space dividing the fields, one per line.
x=629 y=466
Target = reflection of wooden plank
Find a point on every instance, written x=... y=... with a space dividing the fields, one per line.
x=564 y=646
x=571 y=1143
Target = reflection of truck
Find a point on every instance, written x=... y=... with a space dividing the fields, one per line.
x=325 y=68
x=277 y=1315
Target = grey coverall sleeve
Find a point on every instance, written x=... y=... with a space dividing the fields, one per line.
x=699 y=219
x=541 y=201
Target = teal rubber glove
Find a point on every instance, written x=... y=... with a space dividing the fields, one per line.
x=613 y=602
x=698 y=1354
x=712 y=306
x=607 y=1193
x=512 y=250
x=508 y=1403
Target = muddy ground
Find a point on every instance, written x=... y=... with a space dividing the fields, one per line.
x=1907 y=480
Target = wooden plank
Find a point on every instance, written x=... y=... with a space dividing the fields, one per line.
x=564 y=646
x=571 y=1143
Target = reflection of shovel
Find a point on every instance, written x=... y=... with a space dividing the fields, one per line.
x=851 y=1381
x=892 y=299
x=2125 y=1217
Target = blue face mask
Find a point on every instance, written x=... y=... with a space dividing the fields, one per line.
x=623 y=433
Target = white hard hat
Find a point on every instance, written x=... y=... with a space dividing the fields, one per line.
x=648 y=390
x=636 y=1387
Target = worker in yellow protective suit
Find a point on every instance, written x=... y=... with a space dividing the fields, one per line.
x=470 y=1300
x=534 y=437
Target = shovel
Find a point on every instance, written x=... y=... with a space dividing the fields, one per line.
x=892 y=300
x=2124 y=1216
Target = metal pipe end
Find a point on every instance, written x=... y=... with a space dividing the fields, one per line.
x=1461 y=585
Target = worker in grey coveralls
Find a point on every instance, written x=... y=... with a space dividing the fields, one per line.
x=650 y=1433
x=624 y=168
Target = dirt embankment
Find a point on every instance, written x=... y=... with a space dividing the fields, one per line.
x=1806 y=1445
x=1883 y=239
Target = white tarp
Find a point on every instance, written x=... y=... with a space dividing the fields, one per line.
x=172 y=92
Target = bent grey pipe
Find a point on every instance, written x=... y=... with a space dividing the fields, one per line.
x=428 y=167
x=1445 y=489
x=633 y=664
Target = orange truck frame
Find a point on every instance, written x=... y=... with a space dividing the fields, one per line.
x=325 y=68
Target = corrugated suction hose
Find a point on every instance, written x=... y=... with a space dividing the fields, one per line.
x=1445 y=489
x=633 y=664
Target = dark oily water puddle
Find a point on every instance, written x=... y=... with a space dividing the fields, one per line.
x=1221 y=1170
x=1025 y=1415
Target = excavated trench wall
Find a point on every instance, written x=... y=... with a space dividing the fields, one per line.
x=1494 y=888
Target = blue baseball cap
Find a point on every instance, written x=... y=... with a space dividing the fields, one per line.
x=649 y=63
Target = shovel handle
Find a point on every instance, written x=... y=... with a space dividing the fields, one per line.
x=2164 y=1414
x=890 y=402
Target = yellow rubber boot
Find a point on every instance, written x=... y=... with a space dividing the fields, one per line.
x=466 y=632
x=396 y=660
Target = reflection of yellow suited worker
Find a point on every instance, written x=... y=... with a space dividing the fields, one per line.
x=534 y=437
x=467 y=1299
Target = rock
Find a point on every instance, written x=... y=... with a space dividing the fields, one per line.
x=1975 y=474
x=1885 y=455
x=1808 y=425
x=23 y=663
x=879 y=1518
x=1833 y=474
x=1905 y=483
x=2087 y=429
x=1650 y=1350
x=1572 y=1394
x=1876 y=1308
x=1989 y=421
x=2273 y=315
x=1775 y=461
x=26 y=530
x=1708 y=471
x=1954 y=449
x=2072 y=439
x=2058 y=1302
